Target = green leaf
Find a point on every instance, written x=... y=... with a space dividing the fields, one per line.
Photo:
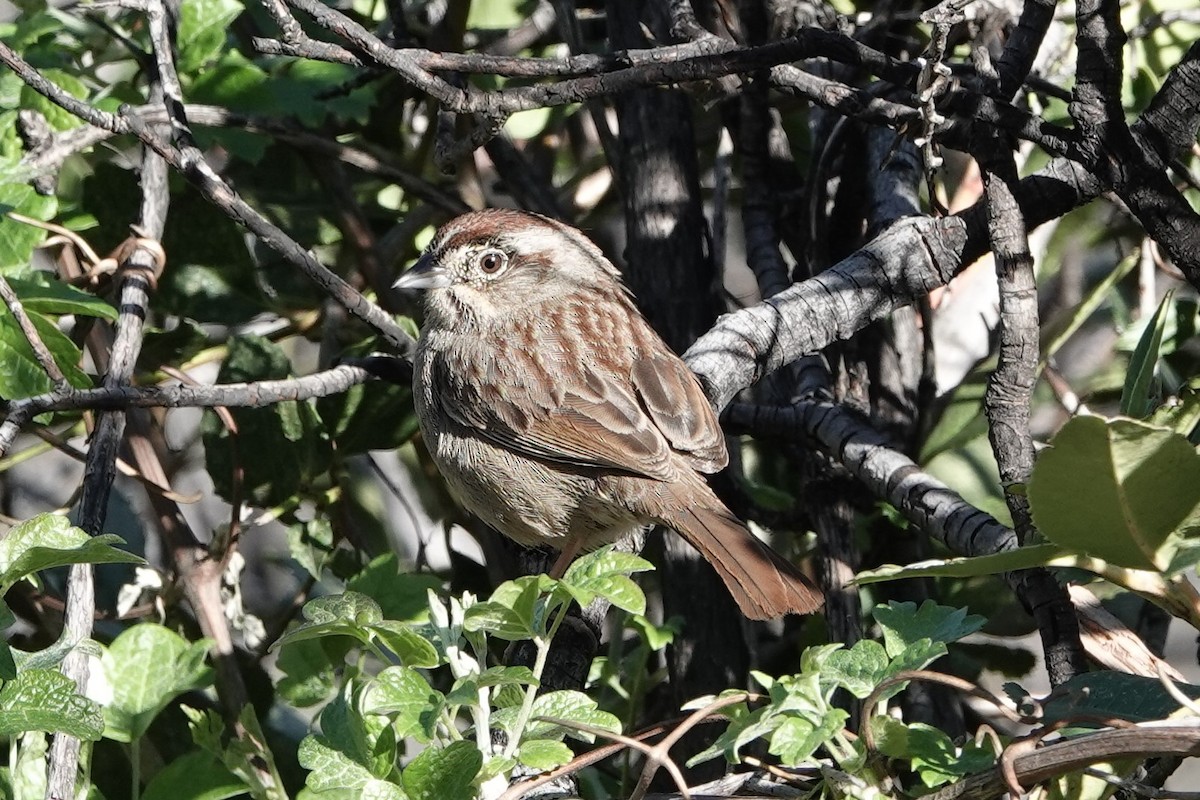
x=1017 y=558
x=544 y=754
x=916 y=655
x=59 y=118
x=366 y=739
x=1117 y=490
x=466 y=689
x=1139 y=396
x=962 y=419
x=1182 y=417
x=444 y=773
x=904 y=624
x=49 y=540
x=797 y=738
x=18 y=239
x=282 y=448
x=203 y=27
x=405 y=693
x=346 y=614
x=8 y=667
x=248 y=757
x=933 y=755
x=306 y=88
x=1114 y=695
x=28 y=775
x=20 y=373
x=859 y=669
x=511 y=611
x=196 y=776
x=497 y=14
x=413 y=649
x=331 y=771
x=401 y=595
x=46 y=700
x=371 y=416
x=41 y=293
x=147 y=666
x=311 y=544
x=567 y=706
x=308 y=670
x=604 y=573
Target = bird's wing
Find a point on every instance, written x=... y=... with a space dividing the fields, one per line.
x=671 y=395
x=588 y=420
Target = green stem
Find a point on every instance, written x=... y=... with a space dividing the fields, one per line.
x=539 y=666
x=135 y=758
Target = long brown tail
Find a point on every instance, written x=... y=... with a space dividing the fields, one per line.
x=764 y=583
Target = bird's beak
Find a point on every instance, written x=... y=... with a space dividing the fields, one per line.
x=425 y=274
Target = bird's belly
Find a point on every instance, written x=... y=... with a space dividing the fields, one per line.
x=532 y=502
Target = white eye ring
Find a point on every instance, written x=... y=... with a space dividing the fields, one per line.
x=492 y=261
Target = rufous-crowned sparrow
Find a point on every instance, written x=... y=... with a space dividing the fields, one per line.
x=559 y=417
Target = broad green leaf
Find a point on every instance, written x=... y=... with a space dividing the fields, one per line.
x=196 y=776
x=741 y=731
x=544 y=754
x=904 y=624
x=444 y=773
x=46 y=700
x=331 y=771
x=378 y=415
x=52 y=657
x=308 y=670
x=859 y=669
x=366 y=739
x=405 y=693
x=1114 y=695
x=203 y=27
x=566 y=706
x=147 y=666
x=59 y=118
x=933 y=755
x=1139 y=397
x=605 y=573
x=1017 y=558
x=865 y=666
x=413 y=649
x=346 y=614
x=510 y=612
x=49 y=540
x=797 y=738
x=401 y=595
x=1117 y=490
x=311 y=544
x=306 y=88
x=239 y=85
x=20 y=373
x=282 y=448
x=527 y=124
x=916 y=655
x=39 y=292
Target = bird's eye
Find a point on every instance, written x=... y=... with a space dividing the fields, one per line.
x=492 y=261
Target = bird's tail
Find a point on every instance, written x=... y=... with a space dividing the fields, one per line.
x=764 y=583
